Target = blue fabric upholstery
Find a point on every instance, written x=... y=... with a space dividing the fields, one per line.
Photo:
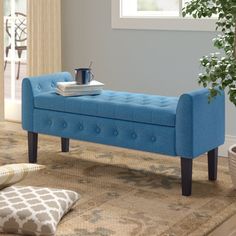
x=114 y=105
x=27 y=105
x=47 y=83
x=33 y=86
x=200 y=125
x=145 y=137
x=187 y=126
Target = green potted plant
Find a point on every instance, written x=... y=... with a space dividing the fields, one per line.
x=219 y=67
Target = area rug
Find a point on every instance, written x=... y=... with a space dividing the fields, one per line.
x=124 y=192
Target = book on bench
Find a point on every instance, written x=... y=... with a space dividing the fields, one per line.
x=73 y=89
x=78 y=93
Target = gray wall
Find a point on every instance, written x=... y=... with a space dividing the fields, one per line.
x=150 y=61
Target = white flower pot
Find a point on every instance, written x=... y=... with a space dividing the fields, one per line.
x=232 y=163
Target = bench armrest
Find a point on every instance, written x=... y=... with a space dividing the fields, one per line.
x=200 y=125
x=34 y=86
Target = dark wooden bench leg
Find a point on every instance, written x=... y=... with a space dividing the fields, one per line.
x=32 y=147
x=65 y=144
x=212 y=164
x=186 y=176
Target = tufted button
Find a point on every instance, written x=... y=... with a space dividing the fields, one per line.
x=115 y=132
x=64 y=124
x=49 y=122
x=134 y=135
x=153 y=139
x=98 y=130
x=81 y=127
x=39 y=87
x=53 y=84
x=163 y=105
x=146 y=100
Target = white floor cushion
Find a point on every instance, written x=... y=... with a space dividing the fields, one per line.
x=14 y=173
x=34 y=210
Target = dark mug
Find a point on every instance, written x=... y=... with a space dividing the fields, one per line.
x=83 y=75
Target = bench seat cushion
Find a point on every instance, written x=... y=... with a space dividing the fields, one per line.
x=142 y=108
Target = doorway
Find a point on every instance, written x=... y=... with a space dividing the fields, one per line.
x=15 y=56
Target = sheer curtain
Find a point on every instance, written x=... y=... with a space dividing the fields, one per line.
x=1 y=64
x=44 y=36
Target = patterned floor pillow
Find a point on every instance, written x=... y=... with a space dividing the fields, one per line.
x=34 y=210
x=14 y=173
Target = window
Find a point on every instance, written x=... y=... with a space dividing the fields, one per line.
x=156 y=14
x=15 y=55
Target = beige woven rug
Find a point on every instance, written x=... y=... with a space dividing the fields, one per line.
x=125 y=192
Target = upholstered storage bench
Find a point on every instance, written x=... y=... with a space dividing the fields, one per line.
x=185 y=126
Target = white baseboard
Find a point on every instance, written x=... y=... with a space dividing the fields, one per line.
x=229 y=141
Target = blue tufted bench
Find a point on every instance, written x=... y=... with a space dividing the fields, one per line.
x=185 y=126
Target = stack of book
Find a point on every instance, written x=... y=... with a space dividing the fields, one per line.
x=74 y=89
